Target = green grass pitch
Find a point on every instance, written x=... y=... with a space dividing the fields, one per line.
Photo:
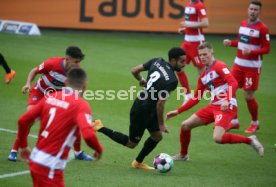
x=108 y=61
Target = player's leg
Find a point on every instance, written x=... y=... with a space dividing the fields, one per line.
x=152 y=125
x=10 y=74
x=79 y=154
x=185 y=136
x=252 y=83
x=222 y=119
x=239 y=76
x=34 y=97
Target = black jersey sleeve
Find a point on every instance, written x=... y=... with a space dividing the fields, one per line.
x=149 y=63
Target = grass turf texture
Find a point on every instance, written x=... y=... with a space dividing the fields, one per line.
x=109 y=58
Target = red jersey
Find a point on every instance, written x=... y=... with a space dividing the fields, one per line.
x=61 y=119
x=219 y=81
x=254 y=37
x=53 y=76
x=194 y=13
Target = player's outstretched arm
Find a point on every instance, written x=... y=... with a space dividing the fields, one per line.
x=136 y=73
x=30 y=78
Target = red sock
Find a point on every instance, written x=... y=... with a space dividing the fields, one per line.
x=77 y=143
x=16 y=143
x=183 y=79
x=185 y=138
x=234 y=138
x=252 y=106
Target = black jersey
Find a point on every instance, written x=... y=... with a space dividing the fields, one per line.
x=161 y=81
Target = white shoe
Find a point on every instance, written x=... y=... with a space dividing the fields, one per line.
x=187 y=97
x=257 y=145
x=180 y=157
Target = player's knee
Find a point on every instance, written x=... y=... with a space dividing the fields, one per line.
x=249 y=95
x=217 y=138
x=185 y=126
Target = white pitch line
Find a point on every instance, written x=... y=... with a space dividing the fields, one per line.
x=14 y=174
x=70 y=157
x=15 y=132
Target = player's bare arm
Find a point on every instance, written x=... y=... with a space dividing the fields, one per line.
x=136 y=73
x=30 y=78
x=204 y=23
x=160 y=111
x=171 y=114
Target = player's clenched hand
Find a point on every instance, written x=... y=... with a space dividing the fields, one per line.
x=142 y=82
x=224 y=105
x=26 y=88
x=181 y=30
x=171 y=114
x=97 y=156
x=226 y=42
x=164 y=128
x=25 y=154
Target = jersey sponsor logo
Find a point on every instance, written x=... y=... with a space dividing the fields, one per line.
x=225 y=71
x=203 y=12
x=267 y=37
x=41 y=66
x=244 y=39
x=88 y=118
x=218 y=117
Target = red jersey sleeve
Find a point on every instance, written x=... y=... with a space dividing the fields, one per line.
x=265 y=42
x=84 y=122
x=195 y=99
x=234 y=43
x=201 y=11
x=226 y=75
x=25 y=122
x=45 y=67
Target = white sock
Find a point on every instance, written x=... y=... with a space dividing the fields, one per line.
x=77 y=152
x=13 y=150
x=235 y=121
x=255 y=122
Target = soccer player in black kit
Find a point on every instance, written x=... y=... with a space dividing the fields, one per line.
x=148 y=108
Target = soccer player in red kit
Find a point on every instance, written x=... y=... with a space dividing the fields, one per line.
x=223 y=107
x=253 y=42
x=61 y=117
x=195 y=19
x=54 y=72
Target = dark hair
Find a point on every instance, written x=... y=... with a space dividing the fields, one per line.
x=205 y=45
x=76 y=77
x=175 y=53
x=74 y=52
x=256 y=2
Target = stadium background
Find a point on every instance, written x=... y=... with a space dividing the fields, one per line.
x=130 y=15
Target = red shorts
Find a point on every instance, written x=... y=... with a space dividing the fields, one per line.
x=35 y=95
x=40 y=176
x=192 y=53
x=247 y=78
x=212 y=113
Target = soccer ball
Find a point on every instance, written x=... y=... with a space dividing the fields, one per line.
x=163 y=163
